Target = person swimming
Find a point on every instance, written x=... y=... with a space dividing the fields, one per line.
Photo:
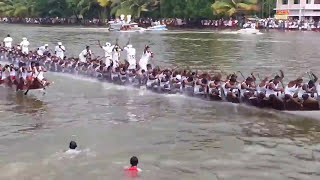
x=133 y=170
x=72 y=148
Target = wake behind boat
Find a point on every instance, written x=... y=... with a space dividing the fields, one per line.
x=248 y=31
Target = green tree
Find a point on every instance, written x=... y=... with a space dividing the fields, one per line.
x=186 y=9
x=53 y=8
x=134 y=7
x=233 y=7
x=18 y=8
x=104 y=4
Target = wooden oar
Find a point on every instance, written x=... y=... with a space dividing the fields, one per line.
x=31 y=84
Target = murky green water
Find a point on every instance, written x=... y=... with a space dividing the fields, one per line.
x=175 y=137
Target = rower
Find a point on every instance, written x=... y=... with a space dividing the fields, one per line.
x=22 y=76
x=176 y=81
x=107 y=52
x=85 y=54
x=152 y=81
x=248 y=88
x=146 y=56
x=12 y=73
x=165 y=81
x=231 y=89
x=273 y=88
x=38 y=73
x=310 y=88
x=214 y=87
x=188 y=85
x=42 y=50
x=309 y=103
x=5 y=74
x=131 y=57
x=200 y=87
x=123 y=75
x=60 y=50
x=25 y=46
x=8 y=42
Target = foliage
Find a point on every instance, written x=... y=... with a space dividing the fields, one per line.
x=232 y=7
x=186 y=9
x=194 y=9
x=18 y=8
x=134 y=7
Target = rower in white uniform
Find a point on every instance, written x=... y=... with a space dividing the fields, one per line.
x=273 y=87
x=85 y=54
x=42 y=50
x=116 y=55
x=59 y=50
x=25 y=45
x=145 y=58
x=107 y=52
x=131 y=57
x=8 y=42
x=38 y=73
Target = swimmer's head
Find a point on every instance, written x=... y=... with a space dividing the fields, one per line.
x=73 y=145
x=134 y=161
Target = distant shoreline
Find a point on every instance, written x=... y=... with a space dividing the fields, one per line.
x=183 y=27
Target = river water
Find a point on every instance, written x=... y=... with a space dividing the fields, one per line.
x=175 y=137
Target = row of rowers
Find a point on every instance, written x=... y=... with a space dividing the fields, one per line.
x=112 y=53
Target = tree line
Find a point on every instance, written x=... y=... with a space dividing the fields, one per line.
x=195 y=9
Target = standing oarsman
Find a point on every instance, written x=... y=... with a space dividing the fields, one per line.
x=85 y=54
x=8 y=42
x=59 y=50
x=131 y=57
x=116 y=55
x=108 y=48
x=146 y=56
x=25 y=46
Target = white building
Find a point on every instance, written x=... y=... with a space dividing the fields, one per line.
x=298 y=9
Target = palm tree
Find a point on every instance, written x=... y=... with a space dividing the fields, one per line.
x=134 y=7
x=231 y=7
x=104 y=4
x=18 y=8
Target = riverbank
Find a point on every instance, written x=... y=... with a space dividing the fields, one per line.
x=176 y=23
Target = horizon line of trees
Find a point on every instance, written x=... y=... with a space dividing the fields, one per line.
x=195 y=9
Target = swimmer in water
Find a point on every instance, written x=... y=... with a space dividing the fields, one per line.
x=72 y=148
x=133 y=170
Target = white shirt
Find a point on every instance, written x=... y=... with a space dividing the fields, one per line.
x=144 y=60
x=73 y=152
x=131 y=55
x=8 y=42
x=41 y=50
x=108 y=51
x=24 y=45
x=60 y=51
x=83 y=55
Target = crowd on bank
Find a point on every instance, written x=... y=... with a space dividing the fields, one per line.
x=267 y=23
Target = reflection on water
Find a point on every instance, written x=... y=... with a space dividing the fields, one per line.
x=175 y=137
x=19 y=103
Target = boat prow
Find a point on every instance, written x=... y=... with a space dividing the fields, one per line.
x=157 y=28
x=248 y=31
